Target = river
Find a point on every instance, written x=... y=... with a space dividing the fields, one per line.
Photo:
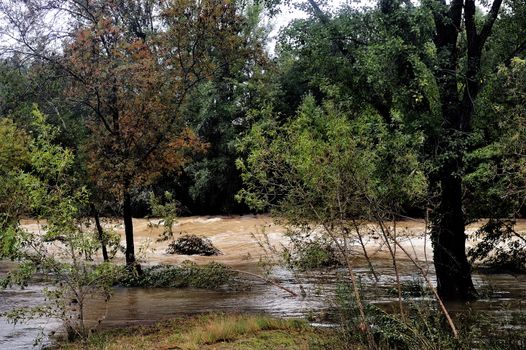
x=239 y=238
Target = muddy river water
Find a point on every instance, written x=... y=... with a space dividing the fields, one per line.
x=503 y=296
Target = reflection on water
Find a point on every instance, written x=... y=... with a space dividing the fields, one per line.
x=502 y=295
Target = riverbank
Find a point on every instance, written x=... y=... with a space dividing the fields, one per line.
x=217 y=332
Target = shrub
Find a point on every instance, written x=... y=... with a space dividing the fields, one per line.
x=500 y=246
x=188 y=274
x=192 y=245
x=61 y=250
x=311 y=254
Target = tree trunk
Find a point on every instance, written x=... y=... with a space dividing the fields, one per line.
x=453 y=270
x=128 y=230
x=448 y=223
x=449 y=238
x=100 y=233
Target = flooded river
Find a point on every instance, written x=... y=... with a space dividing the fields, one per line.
x=238 y=238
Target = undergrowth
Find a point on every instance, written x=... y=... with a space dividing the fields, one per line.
x=187 y=274
x=423 y=327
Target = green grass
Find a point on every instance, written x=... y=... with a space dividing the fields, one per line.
x=211 y=332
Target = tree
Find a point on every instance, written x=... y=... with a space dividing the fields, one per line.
x=322 y=173
x=40 y=173
x=136 y=130
x=131 y=64
x=220 y=113
x=14 y=155
x=425 y=65
x=458 y=76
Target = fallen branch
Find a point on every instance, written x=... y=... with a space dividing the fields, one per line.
x=267 y=280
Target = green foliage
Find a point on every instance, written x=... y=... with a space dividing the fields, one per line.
x=14 y=149
x=219 y=112
x=313 y=253
x=496 y=165
x=188 y=274
x=422 y=327
x=24 y=83
x=499 y=247
x=48 y=191
x=325 y=166
x=498 y=168
x=167 y=211
x=376 y=59
x=14 y=155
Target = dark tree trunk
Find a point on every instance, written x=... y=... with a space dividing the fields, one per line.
x=128 y=230
x=449 y=239
x=453 y=270
x=100 y=233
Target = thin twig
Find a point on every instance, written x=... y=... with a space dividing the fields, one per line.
x=274 y=283
x=433 y=289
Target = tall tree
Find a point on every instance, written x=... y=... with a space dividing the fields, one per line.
x=423 y=65
x=459 y=85
x=219 y=110
x=131 y=64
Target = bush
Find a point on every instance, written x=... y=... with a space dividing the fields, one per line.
x=43 y=184
x=192 y=245
x=311 y=254
x=188 y=274
x=422 y=327
x=501 y=248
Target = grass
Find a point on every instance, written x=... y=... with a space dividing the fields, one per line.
x=214 y=332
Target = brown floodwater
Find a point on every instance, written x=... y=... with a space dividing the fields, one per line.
x=503 y=296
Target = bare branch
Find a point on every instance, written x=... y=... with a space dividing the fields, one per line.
x=267 y=280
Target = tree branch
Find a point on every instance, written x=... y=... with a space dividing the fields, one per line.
x=471 y=28
x=490 y=20
x=267 y=280
x=515 y=53
x=319 y=13
x=334 y=32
